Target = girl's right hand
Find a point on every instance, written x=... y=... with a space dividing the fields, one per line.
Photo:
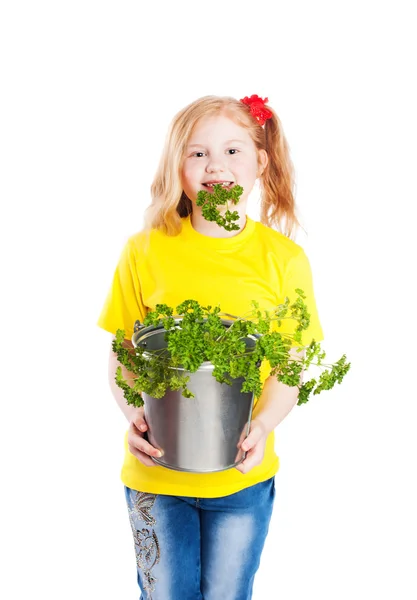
x=138 y=446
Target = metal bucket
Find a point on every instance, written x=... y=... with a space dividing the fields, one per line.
x=200 y=434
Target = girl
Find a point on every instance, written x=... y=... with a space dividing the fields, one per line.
x=201 y=535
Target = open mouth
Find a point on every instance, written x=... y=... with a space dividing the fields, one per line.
x=226 y=184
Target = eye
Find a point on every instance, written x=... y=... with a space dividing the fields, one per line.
x=197 y=153
x=234 y=150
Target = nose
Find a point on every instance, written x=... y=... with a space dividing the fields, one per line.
x=215 y=164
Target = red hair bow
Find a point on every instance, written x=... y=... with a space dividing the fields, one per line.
x=257 y=108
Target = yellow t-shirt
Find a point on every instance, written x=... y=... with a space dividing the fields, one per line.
x=259 y=264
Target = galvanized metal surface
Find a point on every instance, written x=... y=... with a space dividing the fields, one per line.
x=200 y=434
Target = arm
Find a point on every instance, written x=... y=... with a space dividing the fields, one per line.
x=137 y=445
x=277 y=399
x=129 y=411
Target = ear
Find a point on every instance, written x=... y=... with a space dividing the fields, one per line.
x=262 y=161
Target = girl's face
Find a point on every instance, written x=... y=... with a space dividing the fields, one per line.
x=219 y=150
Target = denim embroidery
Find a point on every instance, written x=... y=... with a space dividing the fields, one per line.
x=146 y=542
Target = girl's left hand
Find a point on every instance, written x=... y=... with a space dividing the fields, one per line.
x=254 y=446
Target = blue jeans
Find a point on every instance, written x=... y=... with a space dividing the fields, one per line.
x=199 y=548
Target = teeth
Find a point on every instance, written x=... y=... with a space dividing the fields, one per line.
x=224 y=184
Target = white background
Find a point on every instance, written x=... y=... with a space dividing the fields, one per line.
x=88 y=91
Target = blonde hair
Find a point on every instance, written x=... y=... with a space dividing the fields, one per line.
x=169 y=201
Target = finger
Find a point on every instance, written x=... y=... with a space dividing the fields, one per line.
x=140 y=421
x=242 y=436
x=252 y=460
x=143 y=458
x=253 y=438
x=239 y=456
x=243 y=466
x=138 y=441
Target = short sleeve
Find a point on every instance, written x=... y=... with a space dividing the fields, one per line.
x=298 y=275
x=123 y=305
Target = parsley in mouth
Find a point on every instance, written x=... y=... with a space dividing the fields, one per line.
x=209 y=201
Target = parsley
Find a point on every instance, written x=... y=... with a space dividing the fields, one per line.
x=220 y=197
x=201 y=335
